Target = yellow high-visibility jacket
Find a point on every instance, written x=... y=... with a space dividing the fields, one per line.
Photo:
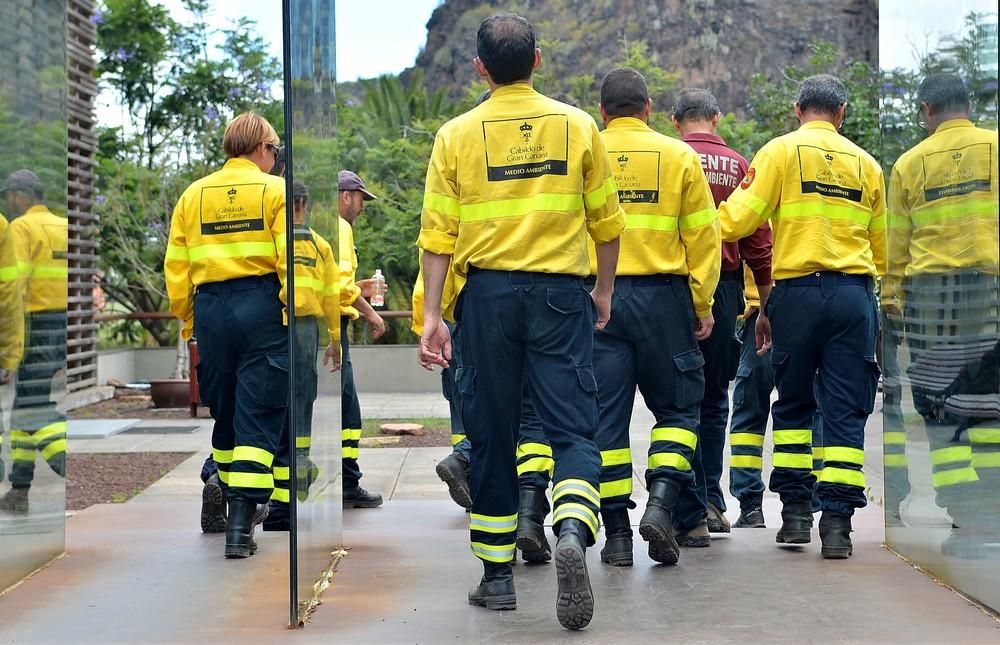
x=943 y=199
x=825 y=197
x=317 y=279
x=452 y=287
x=41 y=244
x=670 y=221
x=349 y=290
x=518 y=183
x=230 y=224
x=11 y=303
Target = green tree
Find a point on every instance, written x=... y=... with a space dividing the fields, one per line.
x=178 y=90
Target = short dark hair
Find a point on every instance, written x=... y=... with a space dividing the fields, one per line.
x=505 y=44
x=624 y=92
x=945 y=92
x=822 y=93
x=695 y=104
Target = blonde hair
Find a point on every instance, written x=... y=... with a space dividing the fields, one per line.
x=246 y=132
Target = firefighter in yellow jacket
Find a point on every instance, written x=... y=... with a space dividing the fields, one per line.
x=11 y=318
x=317 y=300
x=40 y=243
x=668 y=271
x=353 y=305
x=225 y=272
x=943 y=248
x=825 y=198
x=515 y=187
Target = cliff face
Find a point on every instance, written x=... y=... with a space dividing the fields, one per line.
x=717 y=44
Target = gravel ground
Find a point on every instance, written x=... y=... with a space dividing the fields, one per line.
x=132 y=404
x=102 y=478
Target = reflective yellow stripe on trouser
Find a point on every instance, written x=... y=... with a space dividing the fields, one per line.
x=576 y=499
x=746 y=450
x=282 y=479
x=985 y=450
x=793 y=449
x=350 y=439
x=616 y=473
x=251 y=468
x=842 y=465
x=456 y=439
x=492 y=537
x=952 y=466
x=894 y=447
x=535 y=458
x=672 y=448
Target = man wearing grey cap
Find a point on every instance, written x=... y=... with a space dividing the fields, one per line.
x=353 y=195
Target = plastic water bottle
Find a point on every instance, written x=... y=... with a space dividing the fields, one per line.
x=378 y=299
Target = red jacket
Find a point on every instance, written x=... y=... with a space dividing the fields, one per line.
x=724 y=169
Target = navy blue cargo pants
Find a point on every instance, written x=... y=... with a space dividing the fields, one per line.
x=648 y=343
x=350 y=411
x=722 y=357
x=243 y=379
x=824 y=325
x=522 y=330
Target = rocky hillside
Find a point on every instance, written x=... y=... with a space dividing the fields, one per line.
x=711 y=43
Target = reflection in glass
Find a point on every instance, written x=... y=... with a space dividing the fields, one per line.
x=315 y=412
x=33 y=284
x=941 y=340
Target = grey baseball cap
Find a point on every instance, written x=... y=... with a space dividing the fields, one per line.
x=23 y=181
x=348 y=180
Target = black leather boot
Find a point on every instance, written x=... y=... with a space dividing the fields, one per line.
x=243 y=517
x=656 y=526
x=531 y=525
x=454 y=471
x=751 y=514
x=617 y=549
x=278 y=518
x=496 y=589
x=835 y=533
x=358 y=497
x=213 y=506
x=575 y=600
x=796 y=523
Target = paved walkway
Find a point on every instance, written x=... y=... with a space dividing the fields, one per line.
x=141 y=572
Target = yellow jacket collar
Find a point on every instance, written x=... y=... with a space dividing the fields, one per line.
x=520 y=88
x=627 y=122
x=818 y=125
x=37 y=208
x=954 y=123
x=238 y=162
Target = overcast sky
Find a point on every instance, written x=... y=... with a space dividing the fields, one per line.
x=908 y=24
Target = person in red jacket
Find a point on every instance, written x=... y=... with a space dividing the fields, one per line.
x=701 y=509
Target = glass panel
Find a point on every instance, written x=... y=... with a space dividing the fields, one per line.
x=940 y=315
x=33 y=282
x=315 y=413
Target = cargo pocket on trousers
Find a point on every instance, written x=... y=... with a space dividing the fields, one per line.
x=739 y=394
x=872 y=373
x=585 y=374
x=275 y=394
x=690 y=382
x=465 y=380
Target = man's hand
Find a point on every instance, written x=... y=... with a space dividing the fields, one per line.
x=5 y=376
x=704 y=328
x=763 y=335
x=891 y=308
x=367 y=287
x=331 y=357
x=435 y=344
x=602 y=299
x=749 y=313
x=376 y=323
